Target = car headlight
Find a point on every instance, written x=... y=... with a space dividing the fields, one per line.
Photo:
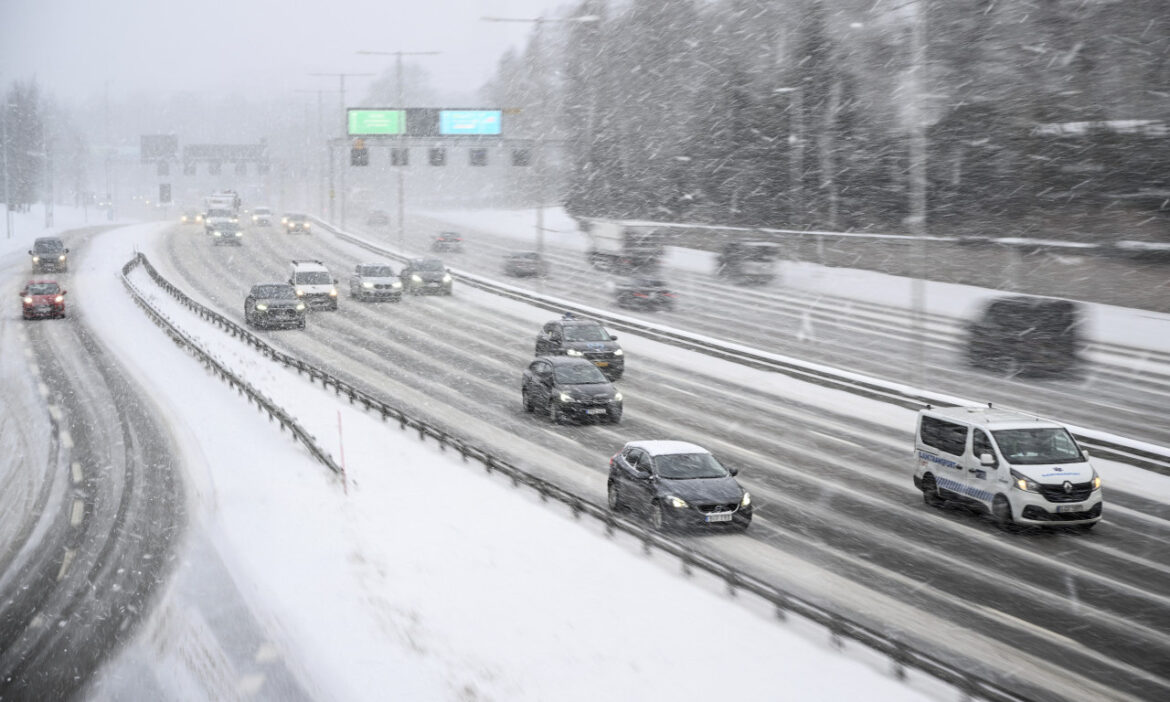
x=677 y=502
x=1024 y=483
x=618 y=353
x=332 y=292
x=239 y=233
x=367 y=284
x=1096 y=481
x=300 y=293
x=566 y=397
x=261 y=306
x=746 y=500
x=617 y=397
x=59 y=298
x=61 y=257
x=300 y=306
x=216 y=233
x=36 y=259
x=396 y=284
x=28 y=300
x=574 y=352
x=446 y=279
x=305 y=225
x=416 y=278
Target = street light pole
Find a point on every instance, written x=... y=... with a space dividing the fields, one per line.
x=917 y=185
x=542 y=98
x=344 y=134
x=7 y=192
x=401 y=140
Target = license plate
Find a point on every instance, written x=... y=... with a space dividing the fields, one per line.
x=601 y=364
x=719 y=517
x=1069 y=508
x=41 y=308
x=595 y=410
x=432 y=285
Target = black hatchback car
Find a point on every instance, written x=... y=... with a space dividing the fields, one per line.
x=525 y=264
x=448 y=241
x=583 y=338
x=677 y=484
x=569 y=388
x=48 y=254
x=426 y=276
x=1031 y=336
x=644 y=294
x=274 y=305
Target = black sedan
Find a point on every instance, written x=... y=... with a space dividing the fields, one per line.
x=569 y=388
x=227 y=233
x=644 y=294
x=448 y=241
x=274 y=305
x=426 y=276
x=525 y=264
x=678 y=484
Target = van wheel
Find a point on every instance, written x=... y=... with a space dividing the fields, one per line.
x=1002 y=511
x=930 y=492
x=657 y=518
x=527 y=401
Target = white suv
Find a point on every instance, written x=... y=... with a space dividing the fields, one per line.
x=314 y=284
x=1018 y=468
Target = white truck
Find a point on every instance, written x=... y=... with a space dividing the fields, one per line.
x=623 y=248
x=220 y=208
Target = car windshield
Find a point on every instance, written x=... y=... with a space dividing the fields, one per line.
x=585 y=332
x=274 y=292
x=43 y=289
x=579 y=374
x=297 y=218
x=1041 y=445
x=430 y=264
x=219 y=213
x=314 y=278
x=448 y=236
x=48 y=246
x=686 y=466
x=376 y=271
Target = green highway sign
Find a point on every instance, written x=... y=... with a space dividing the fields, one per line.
x=376 y=122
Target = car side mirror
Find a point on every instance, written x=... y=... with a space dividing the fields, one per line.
x=30 y=253
x=1085 y=453
x=66 y=250
x=64 y=291
x=986 y=459
x=733 y=470
x=335 y=281
x=613 y=337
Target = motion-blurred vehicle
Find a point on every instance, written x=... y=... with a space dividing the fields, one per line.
x=1030 y=336
x=623 y=249
x=426 y=276
x=218 y=217
x=748 y=262
x=313 y=284
x=678 y=484
x=271 y=305
x=525 y=264
x=569 y=388
x=378 y=218
x=447 y=241
x=375 y=281
x=227 y=233
x=49 y=254
x=262 y=216
x=644 y=294
x=42 y=299
x=297 y=224
x=1014 y=467
x=191 y=217
x=582 y=338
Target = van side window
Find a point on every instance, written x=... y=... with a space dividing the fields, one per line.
x=980 y=445
x=944 y=436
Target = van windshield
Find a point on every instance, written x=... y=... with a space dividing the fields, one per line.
x=1035 y=446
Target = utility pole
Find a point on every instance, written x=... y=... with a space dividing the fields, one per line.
x=7 y=192
x=917 y=184
x=344 y=135
x=401 y=140
x=541 y=121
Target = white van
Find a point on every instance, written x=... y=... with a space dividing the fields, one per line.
x=1016 y=467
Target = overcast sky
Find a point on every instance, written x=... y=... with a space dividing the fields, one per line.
x=72 y=47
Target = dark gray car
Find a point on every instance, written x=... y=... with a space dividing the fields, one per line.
x=569 y=388
x=426 y=276
x=276 y=305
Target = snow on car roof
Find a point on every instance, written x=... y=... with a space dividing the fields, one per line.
x=663 y=447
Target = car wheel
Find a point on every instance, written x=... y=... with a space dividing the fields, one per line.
x=301 y=324
x=742 y=524
x=1002 y=511
x=657 y=518
x=613 y=497
x=554 y=412
x=527 y=401
x=930 y=492
x=1086 y=527
x=615 y=417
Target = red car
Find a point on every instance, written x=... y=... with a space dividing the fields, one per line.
x=42 y=298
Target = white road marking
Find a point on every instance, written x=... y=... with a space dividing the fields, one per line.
x=266 y=653
x=70 y=554
x=66 y=439
x=44 y=389
x=77 y=474
x=78 y=514
x=249 y=685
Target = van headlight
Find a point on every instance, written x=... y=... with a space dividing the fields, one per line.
x=1096 y=481
x=300 y=306
x=416 y=278
x=746 y=500
x=566 y=397
x=36 y=259
x=1022 y=482
x=617 y=397
x=367 y=284
x=61 y=257
x=396 y=284
x=446 y=279
x=676 y=502
x=574 y=352
x=618 y=352
x=300 y=293
x=332 y=292
x=261 y=306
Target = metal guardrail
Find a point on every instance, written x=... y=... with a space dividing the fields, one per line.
x=242 y=386
x=1153 y=458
